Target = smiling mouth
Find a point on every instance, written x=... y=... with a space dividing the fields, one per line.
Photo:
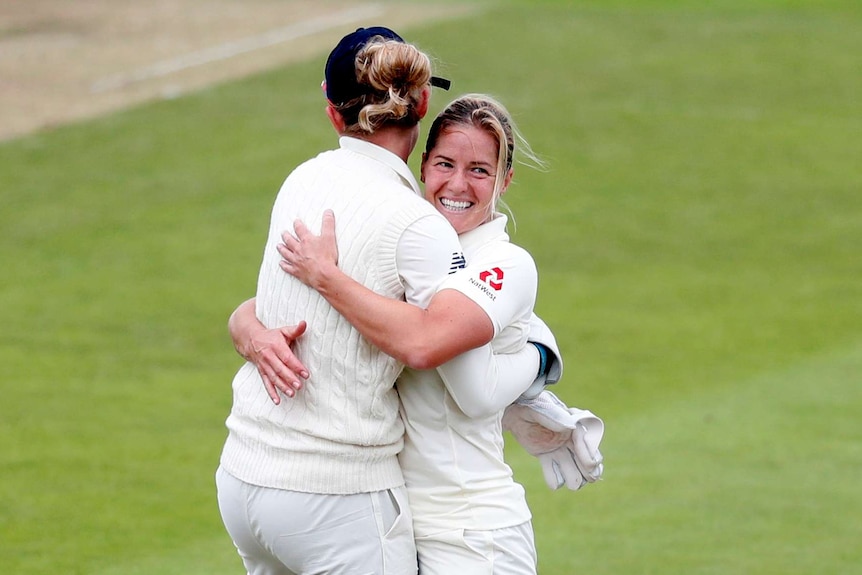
x=455 y=206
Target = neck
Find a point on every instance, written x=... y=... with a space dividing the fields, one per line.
x=400 y=141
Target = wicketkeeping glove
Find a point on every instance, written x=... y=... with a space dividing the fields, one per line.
x=564 y=439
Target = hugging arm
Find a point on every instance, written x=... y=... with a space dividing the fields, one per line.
x=482 y=383
x=420 y=338
x=269 y=350
x=450 y=334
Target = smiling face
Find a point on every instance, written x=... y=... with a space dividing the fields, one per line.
x=460 y=173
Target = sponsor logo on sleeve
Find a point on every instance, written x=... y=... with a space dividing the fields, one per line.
x=489 y=281
x=493 y=277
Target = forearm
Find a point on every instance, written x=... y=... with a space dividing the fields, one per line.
x=242 y=324
x=483 y=383
x=419 y=338
x=268 y=349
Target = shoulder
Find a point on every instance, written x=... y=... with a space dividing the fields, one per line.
x=504 y=253
x=309 y=171
x=402 y=207
x=503 y=271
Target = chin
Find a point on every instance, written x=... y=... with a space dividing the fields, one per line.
x=460 y=226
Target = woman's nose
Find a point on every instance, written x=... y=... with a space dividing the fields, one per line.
x=458 y=181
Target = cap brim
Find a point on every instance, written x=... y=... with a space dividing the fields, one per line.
x=438 y=82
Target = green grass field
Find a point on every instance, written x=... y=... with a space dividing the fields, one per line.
x=698 y=240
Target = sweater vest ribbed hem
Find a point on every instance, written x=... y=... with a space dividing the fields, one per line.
x=368 y=469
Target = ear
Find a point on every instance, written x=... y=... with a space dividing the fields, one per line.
x=335 y=118
x=422 y=167
x=422 y=107
x=507 y=180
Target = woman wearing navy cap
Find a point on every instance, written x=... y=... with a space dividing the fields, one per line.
x=313 y=485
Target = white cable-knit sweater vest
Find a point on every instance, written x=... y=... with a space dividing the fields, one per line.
x=340 y=434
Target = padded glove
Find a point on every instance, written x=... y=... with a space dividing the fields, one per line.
x=564 y=439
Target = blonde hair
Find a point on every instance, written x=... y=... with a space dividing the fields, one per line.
x=485 y=113
x=394 y=74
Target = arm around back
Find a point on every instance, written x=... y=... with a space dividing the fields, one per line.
x=420 y=338
x=269 y=350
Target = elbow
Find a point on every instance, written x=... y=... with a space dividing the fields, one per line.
x=478 y=410
x=475 y=404
x=421 y=359
x=422 y=354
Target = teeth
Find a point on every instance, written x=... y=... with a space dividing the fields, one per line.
x=453 y=205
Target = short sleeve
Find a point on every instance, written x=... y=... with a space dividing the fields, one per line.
x=503 y=281
x=427 y=252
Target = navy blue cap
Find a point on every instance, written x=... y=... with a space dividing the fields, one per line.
x=341 y=84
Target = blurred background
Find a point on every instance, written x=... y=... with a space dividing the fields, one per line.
x=697 y=234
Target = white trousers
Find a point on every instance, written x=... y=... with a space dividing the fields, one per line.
x=509 y=551
x=280 y=532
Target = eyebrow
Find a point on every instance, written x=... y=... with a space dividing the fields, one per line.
x=439 y=156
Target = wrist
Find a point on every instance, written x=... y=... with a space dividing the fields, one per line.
x=253 y=346
x=326 y=279
x=544 y=362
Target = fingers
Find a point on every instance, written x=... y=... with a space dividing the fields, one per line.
x=293 y=332
x=288 y=250
x=301 y=230
x=286 y=236
x=302 y=250
x=286 y=257
x=286 y=261
x=287 y=367
x=277 y=384
x=327 y=231
x=280 y=370
x=283 y=251
x=270 y=388
x=327 y=228
x=287 y=358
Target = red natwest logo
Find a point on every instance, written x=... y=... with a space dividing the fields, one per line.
x=497 y=273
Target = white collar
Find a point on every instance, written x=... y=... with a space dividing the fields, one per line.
x=479 y=236
x=383 y=156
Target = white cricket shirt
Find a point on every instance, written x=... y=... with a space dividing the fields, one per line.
x=453 y=463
